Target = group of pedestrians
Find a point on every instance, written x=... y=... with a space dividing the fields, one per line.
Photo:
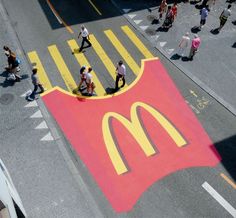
x=85 y=71
x=205 y=6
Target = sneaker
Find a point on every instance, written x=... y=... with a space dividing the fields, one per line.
x=29 y=98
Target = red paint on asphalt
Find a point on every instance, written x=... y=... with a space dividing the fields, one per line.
x=81 y=122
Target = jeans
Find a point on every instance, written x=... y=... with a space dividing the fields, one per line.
x=84 y=39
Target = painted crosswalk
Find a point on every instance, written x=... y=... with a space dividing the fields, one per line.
x=64 y=69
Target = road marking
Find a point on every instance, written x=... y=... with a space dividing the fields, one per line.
x=219 y=199
x=132 y=15
x=138 y=21
x=126 y=10
x=34 y=59
x=122 y=51
x=47 y=137
x=60 y=20
x=83 y=61
x=94 y=6
x=61 y=65
x=169 y=50
x=27 y=93
x=143 y=27
x=37 y=114
x=227 y=179
x=162 y=44
x=193 y=93
x=103 y=56
x=42 y=125
x=32 y=104
x=137 y=42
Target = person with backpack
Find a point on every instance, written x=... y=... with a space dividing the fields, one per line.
x=120 y=74
x=169 y=18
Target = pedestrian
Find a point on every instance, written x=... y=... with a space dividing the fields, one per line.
x=175 y=10
x=36 y=83
x=162 y=9
x=82 y=76
x=120 y=74
x=89 y=82
x=169 y=18
x=204 y=14
x=184 y=43
x=224 y=16
x=85 y=37
x=195 y=46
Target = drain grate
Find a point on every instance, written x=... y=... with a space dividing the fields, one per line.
x=6 y=98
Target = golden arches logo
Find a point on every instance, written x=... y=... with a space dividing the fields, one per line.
x=135 y=128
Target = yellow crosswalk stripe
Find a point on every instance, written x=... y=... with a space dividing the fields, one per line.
x=61 y=65
x=43 y=78
x=83 y=61
x=104 y=57
x=122 y=51
x=137 y=42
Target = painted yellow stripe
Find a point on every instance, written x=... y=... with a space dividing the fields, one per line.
x=64 y=71
x=111 y=68
x=43 y=78
x=94 y=6
x=137 y=42
x=227 y=179
x=83 y=61
x=123 y=52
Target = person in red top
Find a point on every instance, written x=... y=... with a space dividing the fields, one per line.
x=174 y=9
x=169 y=18
x=162 y=8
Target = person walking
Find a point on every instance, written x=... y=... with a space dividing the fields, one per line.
x=169 y=18
x=162 y=9
x=184 y=43
x=89 y=82
x=36 y=83
x=82 y=76
x=175 y=10
x=120 y=74
x=195 y=46
x=204 y=13
x=85 y=37
x=224 y=17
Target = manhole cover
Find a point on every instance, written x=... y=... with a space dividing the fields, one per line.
x=6 y=98
x=151 y=17
x=151 y=31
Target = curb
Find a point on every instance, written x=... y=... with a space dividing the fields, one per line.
x=198 y=82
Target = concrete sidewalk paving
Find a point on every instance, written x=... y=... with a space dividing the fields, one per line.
x=213 y=67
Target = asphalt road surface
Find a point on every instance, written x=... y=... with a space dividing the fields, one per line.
x=47 y=32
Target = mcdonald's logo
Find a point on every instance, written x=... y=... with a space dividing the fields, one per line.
x=131 y=140
x=135 y=128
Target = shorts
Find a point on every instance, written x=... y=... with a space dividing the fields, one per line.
x=203 y=21
x=223 y=21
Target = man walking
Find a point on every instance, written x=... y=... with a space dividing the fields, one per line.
x=204 y=14
x=36 y=83
x=120 y=74
x=195 y=46
x=183 y=44
x=85 y=37
x=224 y=17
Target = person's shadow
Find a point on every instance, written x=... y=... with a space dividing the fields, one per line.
x=195 y=29
x=110 y=91
x=7 y=82
x=234 y=45
x=175 y=57
x=162 y=29
x=215 y=31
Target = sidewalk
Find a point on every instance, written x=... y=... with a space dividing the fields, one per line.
x=213 y=67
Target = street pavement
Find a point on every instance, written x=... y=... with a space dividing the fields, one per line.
x=58 y=179
x=213 y=68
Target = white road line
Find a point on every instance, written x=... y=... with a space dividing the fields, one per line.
x=58 y=19
x=138 y=21
x=143 y=27
x=131 y=16
x=219 y=198
x=126 y=10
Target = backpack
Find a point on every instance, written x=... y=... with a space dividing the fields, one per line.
x=18 y=61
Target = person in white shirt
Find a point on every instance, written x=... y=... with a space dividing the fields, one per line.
x=120 y=74
x=224 y=16
x=89 y=82
x=85 y=37
x=184 y=43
